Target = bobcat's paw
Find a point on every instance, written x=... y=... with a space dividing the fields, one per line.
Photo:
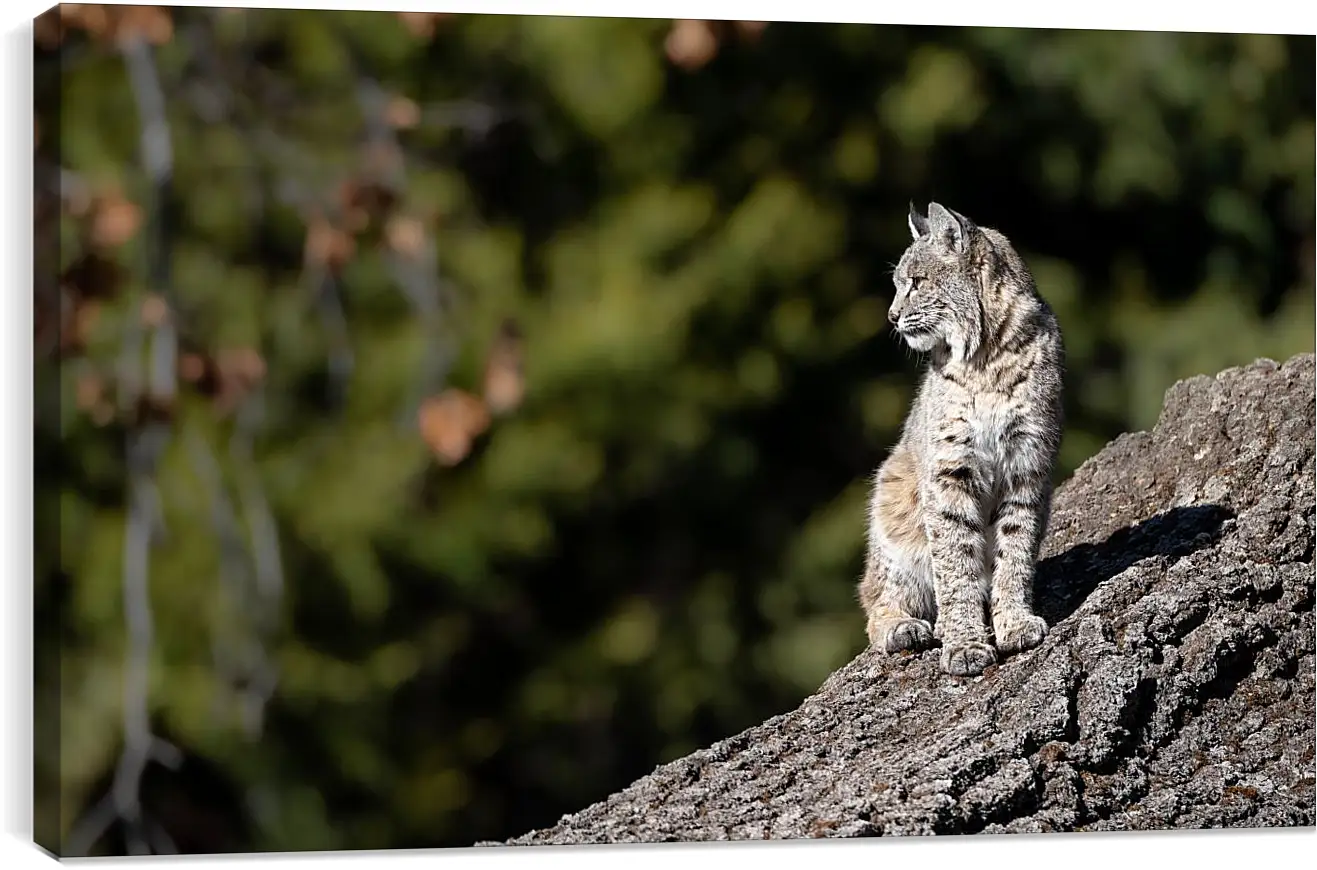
x=1018 y=632
x=895 y=635
x=967 y=659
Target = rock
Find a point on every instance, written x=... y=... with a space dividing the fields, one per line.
x=1175 y=689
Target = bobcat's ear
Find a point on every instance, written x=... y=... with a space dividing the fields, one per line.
x=918 y=223
x=953 y=228
x=967 y=226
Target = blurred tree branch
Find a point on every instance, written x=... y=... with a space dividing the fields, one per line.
x=149 y=403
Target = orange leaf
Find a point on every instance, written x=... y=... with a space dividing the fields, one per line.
x=192 y=367
x=92 y=398
x=450 y=423
x=152 y=23
x=228 y=377
x=115 y=220
x=91 y=17
x=327 y=245
x=691 y=43
x=406 y=235
x=402 y=113
x=90 y=391
x=155 y=311
x=363 y=201
x=79 y=321
x=750 y=29
x=422 y=24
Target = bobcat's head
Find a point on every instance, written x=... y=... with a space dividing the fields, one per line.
x=939 y=294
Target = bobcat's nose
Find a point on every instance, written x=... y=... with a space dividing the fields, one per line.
x=893 y=315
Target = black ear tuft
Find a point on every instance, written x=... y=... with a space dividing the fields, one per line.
x=918 y=223
x=967 y=226
x=952 y=228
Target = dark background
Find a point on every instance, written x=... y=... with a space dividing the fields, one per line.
x=496 y=394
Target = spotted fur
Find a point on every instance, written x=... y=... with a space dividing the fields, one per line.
x=959 y=507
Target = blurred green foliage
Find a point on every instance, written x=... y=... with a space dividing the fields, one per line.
x=658 y=547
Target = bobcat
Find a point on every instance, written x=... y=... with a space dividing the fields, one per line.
x=959 y=508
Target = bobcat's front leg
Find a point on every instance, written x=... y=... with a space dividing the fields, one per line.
x=1018 y=529
x=954 y=522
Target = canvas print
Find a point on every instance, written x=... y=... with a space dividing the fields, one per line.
x=460 y=430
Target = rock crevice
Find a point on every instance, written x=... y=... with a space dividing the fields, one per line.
x=1176 y=688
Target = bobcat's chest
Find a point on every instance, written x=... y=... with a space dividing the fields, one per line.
x=991 y=421
x=982 y=423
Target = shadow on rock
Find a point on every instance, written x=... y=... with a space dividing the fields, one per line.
x=1064 y=581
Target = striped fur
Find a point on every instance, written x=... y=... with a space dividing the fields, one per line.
x=960 y=506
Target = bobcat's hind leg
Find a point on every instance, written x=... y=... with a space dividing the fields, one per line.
x=897 y=589
x=892 y=631
x=895 y=616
